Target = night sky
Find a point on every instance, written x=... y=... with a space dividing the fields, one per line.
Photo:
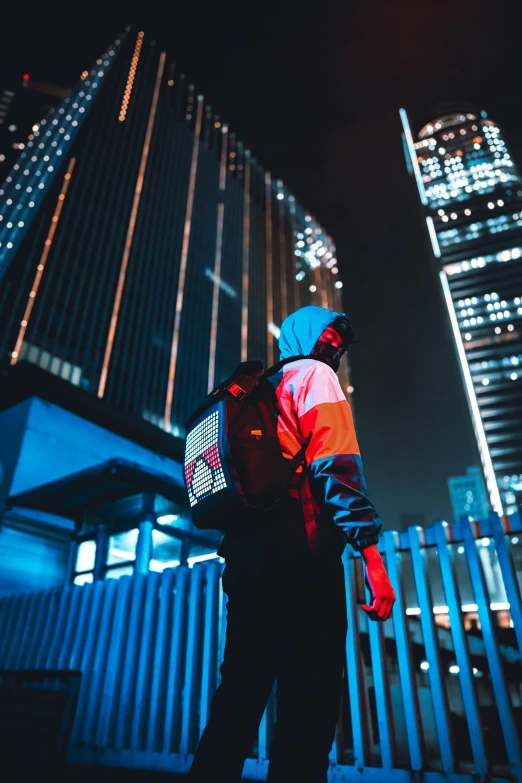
x=314 y=89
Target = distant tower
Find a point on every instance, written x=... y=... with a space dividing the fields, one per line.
x=143 y=251
x=472 y=197
x=468 y=495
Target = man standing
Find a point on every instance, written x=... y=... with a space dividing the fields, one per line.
x=284 y=578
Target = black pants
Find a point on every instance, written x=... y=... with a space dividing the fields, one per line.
x=286 y=624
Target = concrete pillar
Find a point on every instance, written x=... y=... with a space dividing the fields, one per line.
x=102 y=549
x=186 y=546
x=71 y=561
x=144 y=547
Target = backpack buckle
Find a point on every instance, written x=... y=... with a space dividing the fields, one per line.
x=241 y=390
x=236 y=390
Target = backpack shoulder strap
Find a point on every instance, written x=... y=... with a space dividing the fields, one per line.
x=276 y=367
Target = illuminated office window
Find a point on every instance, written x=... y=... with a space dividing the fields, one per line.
x=166 y=551
x=121 y=554
x=85 y=563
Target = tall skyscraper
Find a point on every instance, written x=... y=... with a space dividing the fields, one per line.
x=144 y=252
x=471 y=192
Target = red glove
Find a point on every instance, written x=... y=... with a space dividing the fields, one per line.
x=379 y=585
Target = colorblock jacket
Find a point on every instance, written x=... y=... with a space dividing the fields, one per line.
x=311 y=403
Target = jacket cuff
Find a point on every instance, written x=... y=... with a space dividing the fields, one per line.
x=364 y=543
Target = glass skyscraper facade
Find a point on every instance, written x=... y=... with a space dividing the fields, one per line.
x=23 y=102
x=144 y=251
x=471 y=192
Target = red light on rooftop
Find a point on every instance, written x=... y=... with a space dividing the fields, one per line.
x=26 y=77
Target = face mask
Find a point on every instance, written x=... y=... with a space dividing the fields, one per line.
x=329 y=353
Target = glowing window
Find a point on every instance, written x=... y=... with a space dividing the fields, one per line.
x=122 y=547
x=86 y=556
x=166 y=551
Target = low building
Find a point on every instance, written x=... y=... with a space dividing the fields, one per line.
x=87 y=492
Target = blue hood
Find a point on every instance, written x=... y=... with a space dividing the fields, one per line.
x=301 y=330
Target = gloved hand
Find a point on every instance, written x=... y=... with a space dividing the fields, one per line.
x=379 y=585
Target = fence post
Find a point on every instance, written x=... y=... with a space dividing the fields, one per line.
x=355 y=673
x=176 y=661
x=210 y=640
x=409 y=691
x=113 y=664
x=159 y=663
x=126 y=700
x=382 y=694
x=23 y=604
x=10 y=616
x=150 y=608
x=492 y=653
x=458 y=633
x=192 y=664
x=509 y=577
x=431 y=643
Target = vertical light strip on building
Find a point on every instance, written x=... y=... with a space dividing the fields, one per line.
x=282 y=258
x=217 y=263
x=433 y=237
x=324 y=293
x=489 y=471
x=130 y=77
x=317 y=295
x=131 y=228
x=295 y=281
x=335 y=303
x=183 y=267
x=41 y=266
x=338 y=300
x=246 y=259
x=269 y=271
x=329 y=286
x=413 y=155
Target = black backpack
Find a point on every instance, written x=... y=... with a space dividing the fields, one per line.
x=233 y=460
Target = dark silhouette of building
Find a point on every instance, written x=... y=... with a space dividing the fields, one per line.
x=408 y=519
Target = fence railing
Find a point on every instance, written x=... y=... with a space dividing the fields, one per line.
x=433 y=693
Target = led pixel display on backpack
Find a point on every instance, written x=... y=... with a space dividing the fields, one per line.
x=203 y=470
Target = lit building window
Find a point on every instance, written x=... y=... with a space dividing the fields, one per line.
x=85 y=563
x=121 y=554
x=166 y=551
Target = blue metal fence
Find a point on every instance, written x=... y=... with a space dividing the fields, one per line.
x=426 y=696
